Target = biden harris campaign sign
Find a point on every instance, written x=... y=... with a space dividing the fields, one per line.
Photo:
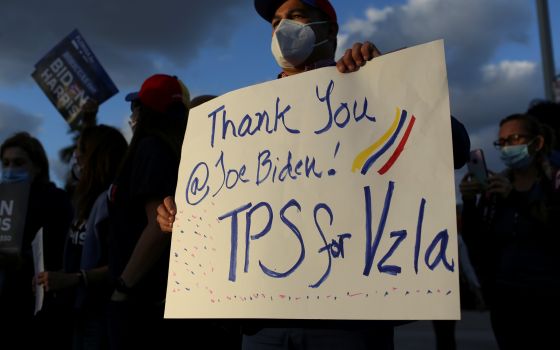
x=321 y=196
x=13 y=210
x=70 y=75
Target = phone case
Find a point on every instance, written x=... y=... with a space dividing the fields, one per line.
x=477 y=166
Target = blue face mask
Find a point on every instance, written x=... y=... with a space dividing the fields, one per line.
x=516 y=157
x=11 y=175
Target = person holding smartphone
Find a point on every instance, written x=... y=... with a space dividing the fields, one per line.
x=511 y=227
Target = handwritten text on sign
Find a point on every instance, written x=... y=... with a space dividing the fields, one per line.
x=320 y=196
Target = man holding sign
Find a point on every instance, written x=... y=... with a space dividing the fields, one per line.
x=304 y=39
x=319 y=57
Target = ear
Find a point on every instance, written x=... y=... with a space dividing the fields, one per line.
x=539 y=143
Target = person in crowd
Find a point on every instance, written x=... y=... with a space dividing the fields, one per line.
x=304 y=38
x=84 y=280
x=48 y=208
x=548 y=113
x=138 y=251
x=85 y=119
x=511 y=227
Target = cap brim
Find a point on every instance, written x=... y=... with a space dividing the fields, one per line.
x=133 y=96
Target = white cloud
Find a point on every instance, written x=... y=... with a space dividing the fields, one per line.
x=508 y=70
x=473 y=30
x=504 y=88
x=374 y=15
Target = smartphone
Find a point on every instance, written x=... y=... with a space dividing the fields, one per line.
x=477 y=166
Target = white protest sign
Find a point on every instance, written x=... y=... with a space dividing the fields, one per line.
x=321 y=196
x=38 y=266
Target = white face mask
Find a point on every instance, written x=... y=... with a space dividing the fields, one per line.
x=293 y=42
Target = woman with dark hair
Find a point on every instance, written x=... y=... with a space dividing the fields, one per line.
x=84 y=279
x=24 y=158
x=512 y=231
x=139 y=252
x=48 y=207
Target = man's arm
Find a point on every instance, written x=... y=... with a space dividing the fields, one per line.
x=148 y=250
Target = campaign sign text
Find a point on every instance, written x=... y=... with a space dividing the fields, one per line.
x=70 y=74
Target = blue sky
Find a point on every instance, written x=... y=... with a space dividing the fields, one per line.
x=216 y=46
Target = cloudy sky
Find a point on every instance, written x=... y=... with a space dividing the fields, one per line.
x=216 y=46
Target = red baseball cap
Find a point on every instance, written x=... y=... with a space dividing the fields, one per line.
x=160 y=91
x=267 y=8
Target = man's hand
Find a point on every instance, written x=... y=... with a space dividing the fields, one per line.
x=357 y=56
x=166 y=214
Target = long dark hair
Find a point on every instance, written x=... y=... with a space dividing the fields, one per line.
x=102 y=149
x=548 y=113
x=34 y=150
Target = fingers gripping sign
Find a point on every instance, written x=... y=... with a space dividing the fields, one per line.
x=357 y=57
x=166 y=214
